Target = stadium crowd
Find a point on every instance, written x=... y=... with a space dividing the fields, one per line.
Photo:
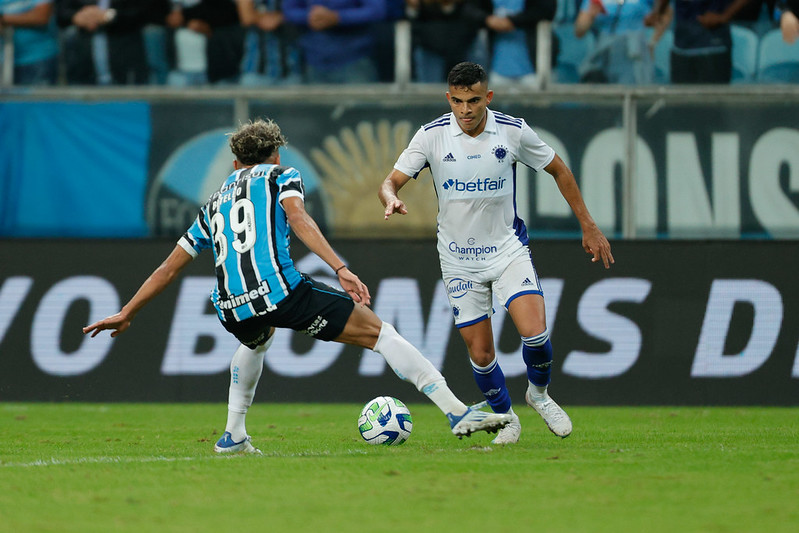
x=279 y=42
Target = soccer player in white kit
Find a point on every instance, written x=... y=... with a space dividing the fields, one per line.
x=482 y=243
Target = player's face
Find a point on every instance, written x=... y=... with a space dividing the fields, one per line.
x=468 y=105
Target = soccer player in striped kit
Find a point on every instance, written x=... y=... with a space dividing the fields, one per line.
x=482 y=243
x=247 y=223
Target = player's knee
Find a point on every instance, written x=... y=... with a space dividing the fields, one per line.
x=535 y=341
x=482 y=358
x=362 y=329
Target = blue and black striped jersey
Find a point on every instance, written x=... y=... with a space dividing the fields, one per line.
x=247 y=228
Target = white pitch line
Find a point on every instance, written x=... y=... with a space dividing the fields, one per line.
x=162 y=459
x=105 y=460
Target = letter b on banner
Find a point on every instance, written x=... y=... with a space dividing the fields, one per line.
x=710 y=359
x=189 y=324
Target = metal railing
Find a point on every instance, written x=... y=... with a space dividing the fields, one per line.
x=7 y=74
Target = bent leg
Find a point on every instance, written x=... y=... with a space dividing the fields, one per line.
x=529 y=315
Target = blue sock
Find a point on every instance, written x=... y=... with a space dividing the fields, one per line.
x=537 y=355
x=491 y=381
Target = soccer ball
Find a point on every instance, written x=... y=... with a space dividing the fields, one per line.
x=385 y=420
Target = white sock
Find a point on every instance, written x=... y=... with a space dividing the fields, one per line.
x=410 y=365
x=245 y=371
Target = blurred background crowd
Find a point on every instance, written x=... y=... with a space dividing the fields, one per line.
x=280 y=42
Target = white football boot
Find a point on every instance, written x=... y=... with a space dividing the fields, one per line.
x=474 y=420
x=556 y=418
x=226 y=445
x=510 y=433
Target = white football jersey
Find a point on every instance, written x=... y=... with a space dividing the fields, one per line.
x=475 y=180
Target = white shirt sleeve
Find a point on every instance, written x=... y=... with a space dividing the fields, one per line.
x=534 y=152
x=414 y=158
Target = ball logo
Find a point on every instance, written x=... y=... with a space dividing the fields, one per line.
x=500 y=152
x=457 y=288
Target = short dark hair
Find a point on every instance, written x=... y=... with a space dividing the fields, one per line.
x=466 y=74
x=255 y=142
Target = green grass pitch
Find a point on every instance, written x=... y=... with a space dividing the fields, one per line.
x=150 y=467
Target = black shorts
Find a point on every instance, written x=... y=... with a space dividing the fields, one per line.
x=313 y=308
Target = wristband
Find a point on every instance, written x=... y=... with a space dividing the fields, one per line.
x=339 y=268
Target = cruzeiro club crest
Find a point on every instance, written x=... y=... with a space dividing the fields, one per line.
x=500 y=152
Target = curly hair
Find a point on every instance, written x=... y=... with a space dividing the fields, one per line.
x=255 y=142
x=466 y=74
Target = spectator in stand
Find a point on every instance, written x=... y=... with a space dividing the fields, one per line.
x=441 y=37
x=512 y=36
x=214 y=41
x=271 y=52
x=757 y=15
x=789 y=20
x=385 y=36
x=702 y=51
x=337 y=41
x=622 y=53
x=103 y=41
x=35 y=40
x=157 y=42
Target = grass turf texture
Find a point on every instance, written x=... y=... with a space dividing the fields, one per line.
x=150 y=467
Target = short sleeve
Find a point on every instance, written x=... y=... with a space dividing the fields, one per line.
x=414 y=158
x=197 y=238
x=534 y=152
x=289 y=183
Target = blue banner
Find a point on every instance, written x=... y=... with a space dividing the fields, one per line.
x=73 y=169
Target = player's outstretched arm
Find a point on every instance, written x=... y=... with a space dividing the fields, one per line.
x=594 y=241
x=388 y=193
x=306 y=229
x=152 y=287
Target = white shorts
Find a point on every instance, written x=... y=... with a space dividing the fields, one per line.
x=471 y=294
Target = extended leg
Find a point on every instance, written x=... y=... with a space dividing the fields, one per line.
x=410 y=365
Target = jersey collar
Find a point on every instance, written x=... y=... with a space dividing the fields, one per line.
x=491 y=124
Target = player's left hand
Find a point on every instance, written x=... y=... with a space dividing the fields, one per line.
x=595 y=243
x=118 y=322
x=354 y=286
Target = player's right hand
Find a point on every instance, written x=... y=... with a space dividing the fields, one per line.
x=118 y=322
